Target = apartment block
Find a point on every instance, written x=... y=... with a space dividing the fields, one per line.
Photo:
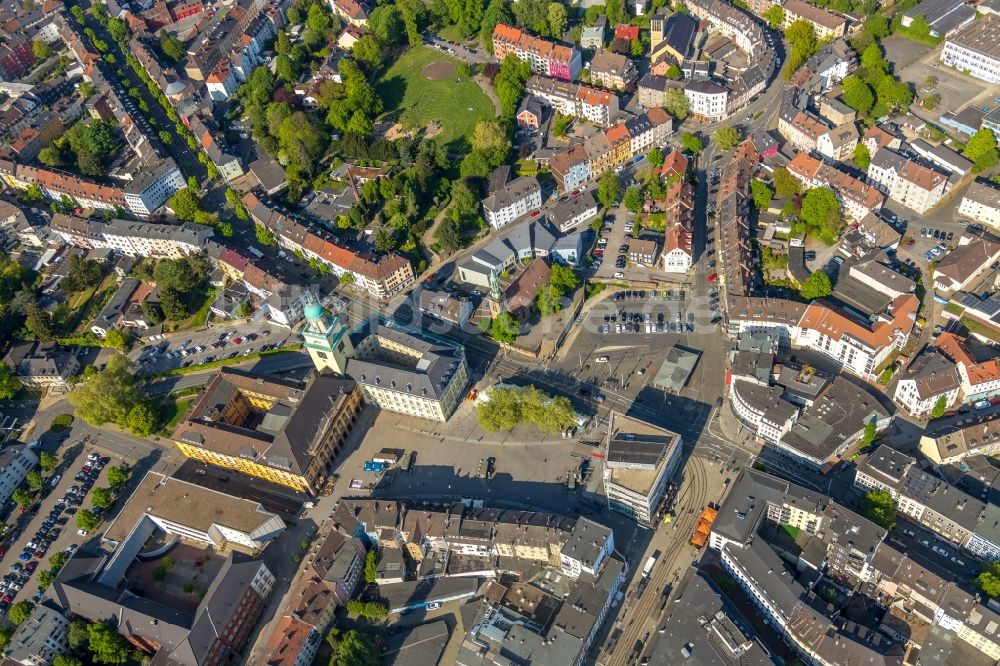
x=981 y=203
x=545 y=57
x=514 y=200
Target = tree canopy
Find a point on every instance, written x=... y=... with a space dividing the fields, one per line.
x=982 y=150
x=676 y=104
x=107 y=396
x=879 y=507
x=785 y=184
x=727 y=137
x=692 y=143
x=817 y=285
x=821 y=214
x=762 y=193
x=608 y=189
x=509 y=407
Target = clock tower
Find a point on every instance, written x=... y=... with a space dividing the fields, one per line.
x=326 y=339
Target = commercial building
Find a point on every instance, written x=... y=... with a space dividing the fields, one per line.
x=640 y=463
x=546 y=58
x=515 y=199
x=445 y=306
x=197 y=514
x=943 y=17
x=150 y=188
x=134 y=239
x=42 y=365
x=708 y=99
x=976 y=49
x=981 y=203
x=408 y=373
x=284 y=431
x=929 y=380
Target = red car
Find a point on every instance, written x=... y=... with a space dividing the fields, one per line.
x=7 y=599
x=598 y=252
x=713 y=277
x=31 y=566
x=38 y=554
x=576 y=192
x=534 y=213
x=237 y=341
x=910 y=242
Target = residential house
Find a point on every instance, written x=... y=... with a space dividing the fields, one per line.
x=911 y=184
x=981 y=203
x=42 y=365
x=929 y=381
x=545 y=57
x=959 y=268
x=826 y=24
x=613 y=71
x=515 y=199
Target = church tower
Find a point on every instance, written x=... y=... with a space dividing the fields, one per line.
x=327 y=340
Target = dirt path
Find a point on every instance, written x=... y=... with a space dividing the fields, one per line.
x=428 y=239
x=488 y=89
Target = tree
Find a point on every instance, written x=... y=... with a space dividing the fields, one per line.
x=353 y=649
x=931 y=102
x=676 y=104
x=47 y=461
x=78 y=636
x=490 y=138
x=982 y=150
x=692 y=143
x=41 y=49
x=655 y=157
x=66 y=660
x=81 y=274
x=264 y=235
x=10 y=385
x=142 y=420
x=45 y=579
x=673 y=72
x=185 y=203
x=34 y=480
x=50 y=156
x=508 y=407
x=172 y=303
x=463 y=199
x=861 y=155
x=87 y=520
x=107 y=396
x=821 y=213
x=988 y=580
x=633 y=199
x=608 y=189
x=317 y=19
x=23 y=497
x=564 y=278
x=58 y=561
x=869 y=435
x=371 y=566
x=879 y=507
x=556 y=14
x=857 y=94
x=496 y=12
x=19 y=612
x=510 y=80
x=505 y=328
x=774 y=16
x=385 y=240
x=118 y=477
x=877 y=26
x=38 y=322
x=106 y=645
x=727 y=137
x=939 y=408
x=817 y=285
x=785 y=184
x=762 y=193
x=386 y=23
x=153 y=312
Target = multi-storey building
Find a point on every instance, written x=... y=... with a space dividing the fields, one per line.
x=598 y=106
x=134 y=239
x=546 y=58
x=826 y=24
x=981 y=203
x=382 y=276
x=198 y=514
x=515 y=199
x=959 y=268
x=913 y=185
x=802 y=129
x=975 y=49
x=42 y=365
x=708 y=99
x=151 y=187
x=283 y=431
x=570 y=168
x=613 y=71
x=857 y=198
x=40 y=638
x=980 y=379
x=640 y=461
x=55 y=184
x=928 y=380
x=955 y=443
x=16 y=460
x=409 y=373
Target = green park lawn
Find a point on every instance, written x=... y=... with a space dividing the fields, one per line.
x=414 y=100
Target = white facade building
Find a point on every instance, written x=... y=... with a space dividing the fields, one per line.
x=16 y=460
x=515 y=199
x=151 y=188
x=981 y=203
x=708 y=99
x=974 y=49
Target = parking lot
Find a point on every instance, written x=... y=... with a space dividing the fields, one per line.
x=209 y=345
x=49 y=527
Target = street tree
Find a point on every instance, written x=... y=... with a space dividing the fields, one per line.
x=879 y=507
x=87 y=520
x=727 y=137
x=692 y=143
x=939 y=408
x=608 y=189
x=633 y=199
x=19 y=612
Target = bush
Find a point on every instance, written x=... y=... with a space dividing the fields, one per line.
x=61 y=422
